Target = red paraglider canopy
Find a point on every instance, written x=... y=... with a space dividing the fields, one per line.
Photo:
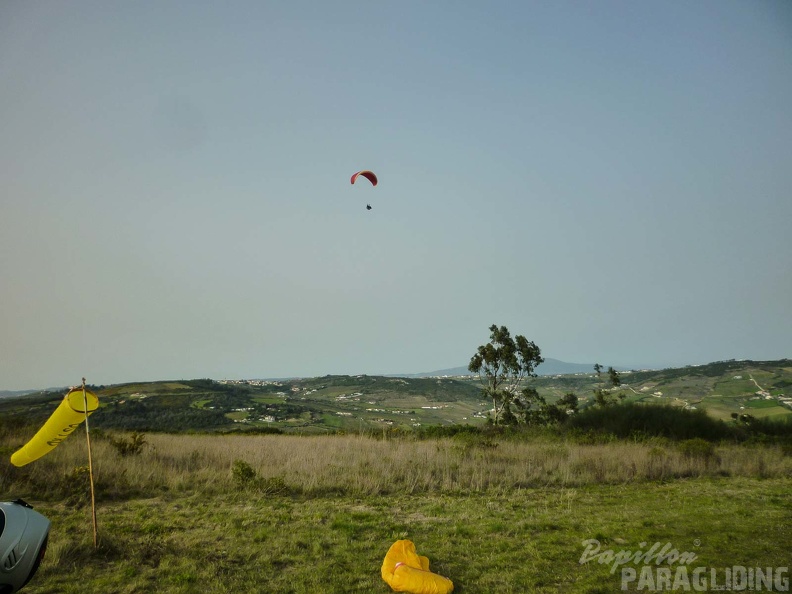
x=369 y=175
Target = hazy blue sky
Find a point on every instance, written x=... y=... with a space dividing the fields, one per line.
x=612 y=179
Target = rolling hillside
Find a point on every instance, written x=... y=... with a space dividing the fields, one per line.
x=306 y=405
x=353 y=403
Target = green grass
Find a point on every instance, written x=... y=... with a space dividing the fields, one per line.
x=318 y=513
x=761 y=403
x=734 y=388
x=774 y=411
x=527 y=540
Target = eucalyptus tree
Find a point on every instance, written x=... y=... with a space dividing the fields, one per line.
x=502 y=364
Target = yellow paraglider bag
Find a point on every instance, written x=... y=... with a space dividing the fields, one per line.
x=406 y=571
x=66 y=418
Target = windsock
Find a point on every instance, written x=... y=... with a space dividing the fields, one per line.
x=66 y=418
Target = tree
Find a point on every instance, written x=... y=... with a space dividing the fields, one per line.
x=568 y=403
x=613 y=375
x=502 y=364
x=533 y=409
x=602 y=395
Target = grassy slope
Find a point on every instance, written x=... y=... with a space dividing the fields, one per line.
x=503 y=516
x=524 y=541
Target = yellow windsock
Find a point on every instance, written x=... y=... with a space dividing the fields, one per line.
x=66 y=418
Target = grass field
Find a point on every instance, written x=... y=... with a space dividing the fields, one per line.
x=318 y=513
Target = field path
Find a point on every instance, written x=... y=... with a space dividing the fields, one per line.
x=761 y=389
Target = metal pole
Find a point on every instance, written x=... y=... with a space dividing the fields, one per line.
x=90 y=466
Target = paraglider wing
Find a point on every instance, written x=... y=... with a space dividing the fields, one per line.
x=369 y=175
x=404 y=570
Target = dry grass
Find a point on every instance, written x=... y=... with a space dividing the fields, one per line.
x=495 y=516
x=362 y=465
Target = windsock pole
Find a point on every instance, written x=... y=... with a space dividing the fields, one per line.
x=90 y=466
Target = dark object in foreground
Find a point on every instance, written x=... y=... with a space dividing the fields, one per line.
x=23 y=542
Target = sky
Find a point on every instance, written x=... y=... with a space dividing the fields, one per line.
x=610 y=179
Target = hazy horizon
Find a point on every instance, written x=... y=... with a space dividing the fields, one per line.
x=618 y=367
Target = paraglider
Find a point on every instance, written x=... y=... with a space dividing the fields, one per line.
x=369 y=175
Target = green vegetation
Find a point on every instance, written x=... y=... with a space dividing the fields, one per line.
x=503 y=364
x=530 y=541
x=376 y=403
x=286 y=513
x=636 y=420
x=128 y=447
x=302 y=485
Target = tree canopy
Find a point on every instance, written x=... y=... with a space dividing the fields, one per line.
x=502 y=364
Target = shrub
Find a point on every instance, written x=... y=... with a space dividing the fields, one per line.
x=697 y=449
x=78 y=486
x=648 y=420
x=131 y=447
x=780 y=428
x=439 y=431
x=242 y=474
x=469 y=442
x=245 y=477
x=273 y=485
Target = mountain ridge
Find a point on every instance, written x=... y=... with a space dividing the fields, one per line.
x=549 y=367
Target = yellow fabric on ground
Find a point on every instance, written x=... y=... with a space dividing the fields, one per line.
x=404 y=570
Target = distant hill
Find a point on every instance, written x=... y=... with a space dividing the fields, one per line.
x=14 y=393
x=19 y=393
x=304 y=405
x=549 y=367
x=378 y=403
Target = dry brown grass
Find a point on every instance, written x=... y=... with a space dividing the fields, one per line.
x=363 y=465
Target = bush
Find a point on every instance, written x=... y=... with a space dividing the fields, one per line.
x=697 y=449
x=274 y=485
x=588 y=436
x=242 y=474
x=439 y=431
x=648 y=420
x=131 y=447
x=78 y=486
x=776 y=427
x=467 y=443
x=245 y=477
